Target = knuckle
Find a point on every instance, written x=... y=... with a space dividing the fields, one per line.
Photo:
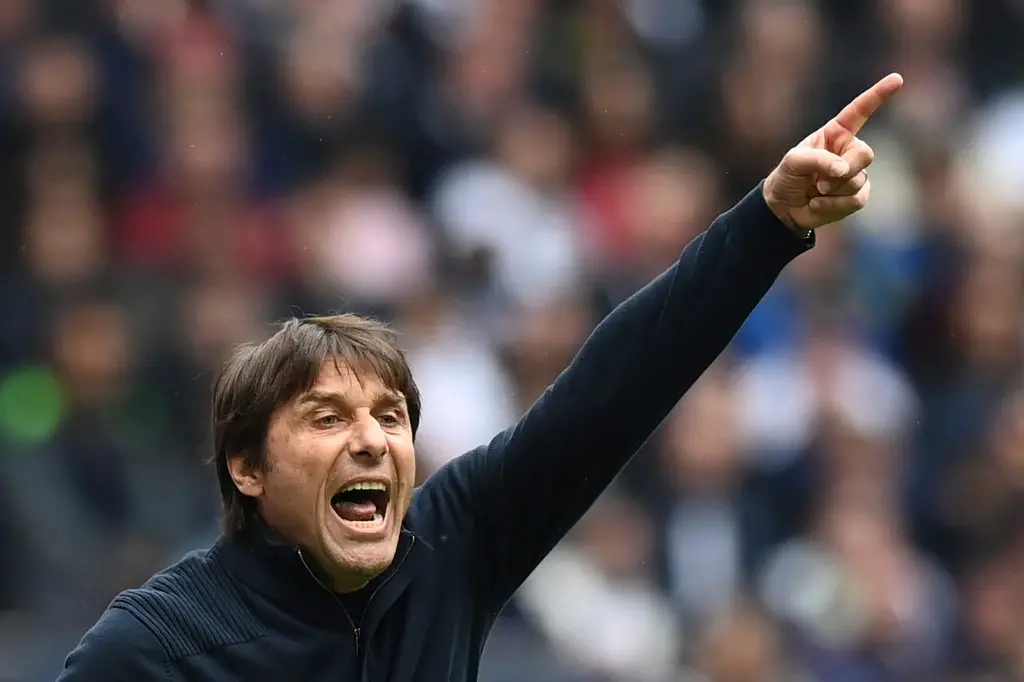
x=863 y=153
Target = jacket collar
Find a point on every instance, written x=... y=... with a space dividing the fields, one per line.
x=284 y=574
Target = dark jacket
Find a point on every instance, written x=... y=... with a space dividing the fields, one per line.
x=248 y=609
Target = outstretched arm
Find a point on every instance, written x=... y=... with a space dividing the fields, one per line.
x=535 y=480
x=526 y=489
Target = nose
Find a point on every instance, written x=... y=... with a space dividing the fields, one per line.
x=369 y=439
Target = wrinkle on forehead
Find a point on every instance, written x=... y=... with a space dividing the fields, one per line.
x=366 y=376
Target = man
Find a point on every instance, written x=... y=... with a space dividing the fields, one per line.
x=332 y=567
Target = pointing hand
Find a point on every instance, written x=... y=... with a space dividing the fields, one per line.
x=824 y=178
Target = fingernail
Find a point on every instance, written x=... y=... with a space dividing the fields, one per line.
x=840 y=168
x=824 y=187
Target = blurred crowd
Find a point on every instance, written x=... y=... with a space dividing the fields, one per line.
x=839 y=498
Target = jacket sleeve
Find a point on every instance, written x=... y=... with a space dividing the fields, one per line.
x=118 y=648
x=528 y=487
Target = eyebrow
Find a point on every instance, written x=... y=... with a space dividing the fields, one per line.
x=387 y=398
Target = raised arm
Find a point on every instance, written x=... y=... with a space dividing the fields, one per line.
x=531 y=483
x=535 y=480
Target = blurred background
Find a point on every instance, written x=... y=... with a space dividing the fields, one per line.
x=840 y=497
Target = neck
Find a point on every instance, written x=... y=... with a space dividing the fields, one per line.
x=339 y=582
x=290 y=577
x=336 y=581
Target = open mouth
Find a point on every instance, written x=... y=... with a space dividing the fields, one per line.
x=362 y=504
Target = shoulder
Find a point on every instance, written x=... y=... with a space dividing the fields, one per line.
x=117 y=647
x=192 y=607
x=446 y=504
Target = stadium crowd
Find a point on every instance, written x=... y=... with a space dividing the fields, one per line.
x=839 y=498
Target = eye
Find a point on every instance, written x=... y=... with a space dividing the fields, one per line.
x=327 y=420
x=389 y=419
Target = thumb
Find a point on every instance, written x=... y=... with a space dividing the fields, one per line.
x=802 y=162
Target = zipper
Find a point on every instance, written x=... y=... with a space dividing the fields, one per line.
x=356 y=629
x=398 y=565
x=341 y=605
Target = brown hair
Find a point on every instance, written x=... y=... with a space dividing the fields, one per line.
x=260 y=378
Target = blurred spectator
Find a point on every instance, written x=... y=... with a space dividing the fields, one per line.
x=516 y=209
x=744 y=645
x=597 y=601
x=458 y=372
x=704 y=534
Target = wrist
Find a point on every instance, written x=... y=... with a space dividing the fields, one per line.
x=802 y=233
x=781 y=211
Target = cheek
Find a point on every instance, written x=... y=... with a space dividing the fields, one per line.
x=288 y=476
x=295 y=474
x=404 y=456
x=288 y=500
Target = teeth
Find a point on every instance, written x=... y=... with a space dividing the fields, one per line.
x=366 y=485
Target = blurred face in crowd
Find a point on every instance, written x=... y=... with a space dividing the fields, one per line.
x=208 y=142
x=987 y=314
x=542 y=342
x=486 y=72
x=923 y=23
x=320 y=79
x=57 y=83
x=783 y=33
x=537 y=146
x=618 y=538
x=673 y=196
x=993 y=620
x=619 y=98
x=339 y=474
x=16 y=17
x=93 y=349
x=219 y=317
x=142 y=22
x=702 y=447
x=741 y=647
x=761 y=112
x=64 y=243
x=1007 y=441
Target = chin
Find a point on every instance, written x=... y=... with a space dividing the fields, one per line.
x=360 y=549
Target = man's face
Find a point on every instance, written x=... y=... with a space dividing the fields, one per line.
x=339 y=475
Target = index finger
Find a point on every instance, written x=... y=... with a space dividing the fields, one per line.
x=855 y=114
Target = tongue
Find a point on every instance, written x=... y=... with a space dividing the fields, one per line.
x=355 y=511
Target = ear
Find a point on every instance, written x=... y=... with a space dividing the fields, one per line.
x=248 y=480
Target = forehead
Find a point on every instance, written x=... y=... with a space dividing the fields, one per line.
x=338 y=379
